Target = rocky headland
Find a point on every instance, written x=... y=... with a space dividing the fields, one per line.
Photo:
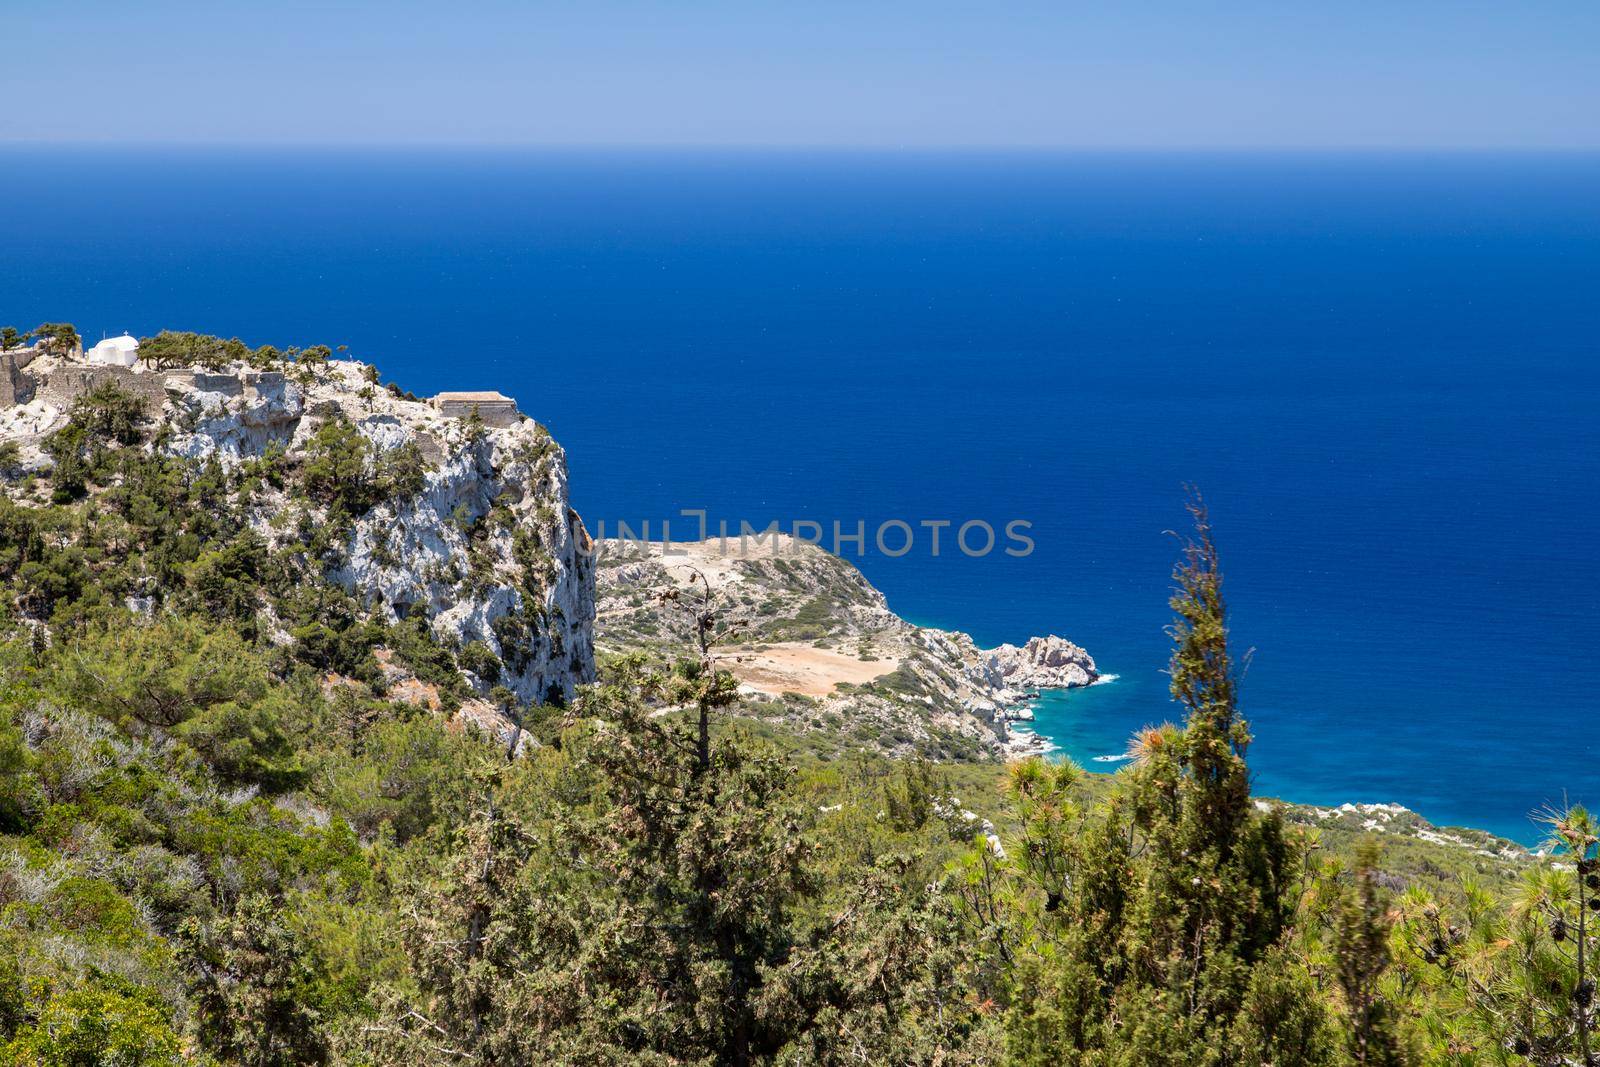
x=1043 y=663
x=415 y=512
x=816 y=646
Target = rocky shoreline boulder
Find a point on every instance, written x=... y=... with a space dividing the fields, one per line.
x=1043 y=663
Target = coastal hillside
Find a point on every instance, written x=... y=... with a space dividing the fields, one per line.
x=328 y=737
x=817 y=652
x=815 y=647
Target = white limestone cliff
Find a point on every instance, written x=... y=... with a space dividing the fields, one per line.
x=489 y=548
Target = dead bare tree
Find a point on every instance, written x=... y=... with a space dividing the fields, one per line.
x=709 y=688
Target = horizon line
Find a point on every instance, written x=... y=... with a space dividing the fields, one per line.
x=781 y=146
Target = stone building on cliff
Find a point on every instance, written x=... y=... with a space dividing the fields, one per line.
x=495 y=409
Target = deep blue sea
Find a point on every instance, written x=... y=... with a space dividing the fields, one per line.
x=1382 y=371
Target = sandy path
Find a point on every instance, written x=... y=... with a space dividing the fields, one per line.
x=798 y=668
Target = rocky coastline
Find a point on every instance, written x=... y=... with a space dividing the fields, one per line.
x=487 y=548
x=815 y=644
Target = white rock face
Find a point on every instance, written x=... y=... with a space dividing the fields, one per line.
x=452 y=549
x=234 y=427
x=490 y=548
x=1043 y=663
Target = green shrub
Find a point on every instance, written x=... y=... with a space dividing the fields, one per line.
x=95 y=1026
x=109 y=413
x=246 y=743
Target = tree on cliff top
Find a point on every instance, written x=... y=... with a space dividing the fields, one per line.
x=180 y=348
x=58 y=337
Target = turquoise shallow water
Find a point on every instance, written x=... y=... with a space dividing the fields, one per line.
x=1384 y=372
x=1091 y=723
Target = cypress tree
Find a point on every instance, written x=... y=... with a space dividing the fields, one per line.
x=1159 y=902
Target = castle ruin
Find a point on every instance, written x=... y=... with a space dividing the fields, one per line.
x=495 y=409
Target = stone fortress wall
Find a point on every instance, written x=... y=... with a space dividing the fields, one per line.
x=60 y=382
x=16 y=387
x=65 y=384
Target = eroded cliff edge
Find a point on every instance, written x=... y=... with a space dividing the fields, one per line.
x=416 y=513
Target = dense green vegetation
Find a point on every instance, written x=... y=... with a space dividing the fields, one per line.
x=222 y=842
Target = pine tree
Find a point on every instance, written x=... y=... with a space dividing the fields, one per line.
x=252 y=989
x=1220 y=874
x=466 y=940
x=1515 y=981
x=699 y=857
x=665 y=909
x=1361 y=946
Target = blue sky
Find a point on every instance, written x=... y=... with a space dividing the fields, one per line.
x=878 y=73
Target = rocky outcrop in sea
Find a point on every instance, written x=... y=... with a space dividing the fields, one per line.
x=1043 y=663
